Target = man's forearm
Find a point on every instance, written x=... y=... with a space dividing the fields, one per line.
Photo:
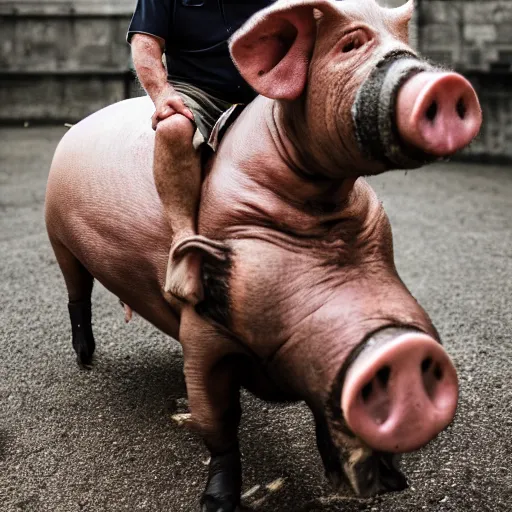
x=147 y=59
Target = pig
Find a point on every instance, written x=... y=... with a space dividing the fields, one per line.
x=302 y=298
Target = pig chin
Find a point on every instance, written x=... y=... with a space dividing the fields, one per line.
x=374 y=113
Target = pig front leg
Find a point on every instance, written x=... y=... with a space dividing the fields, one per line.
x=213 y=386
x=217 y=413
x=328 y=452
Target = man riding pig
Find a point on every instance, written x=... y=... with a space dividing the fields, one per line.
x=200 y=83
x=301 y=297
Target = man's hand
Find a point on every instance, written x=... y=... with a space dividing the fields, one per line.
x=168 y=103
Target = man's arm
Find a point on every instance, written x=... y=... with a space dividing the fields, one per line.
x=147 y=51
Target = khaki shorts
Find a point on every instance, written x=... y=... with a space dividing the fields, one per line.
x=212 y=115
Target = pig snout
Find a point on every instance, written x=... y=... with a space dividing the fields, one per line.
x=399 y=395
x=407 y=113
x=438 y=113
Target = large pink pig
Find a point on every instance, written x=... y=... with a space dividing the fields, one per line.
x=303 y=300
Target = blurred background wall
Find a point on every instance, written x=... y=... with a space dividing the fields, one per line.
x=60 y=60
x=475 y=38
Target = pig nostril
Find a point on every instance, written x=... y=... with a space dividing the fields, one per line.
x=425 y=364
x=367 y=391
x=432 y=375
x=431 y=112
x=461 y=108
x=383 y=375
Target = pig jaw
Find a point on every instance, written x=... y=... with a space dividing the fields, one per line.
x=318 y=375
x=348 y=460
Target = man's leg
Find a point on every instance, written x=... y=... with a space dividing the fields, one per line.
x=177 y=172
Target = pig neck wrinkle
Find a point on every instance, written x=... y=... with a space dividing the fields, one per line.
x=284 y=123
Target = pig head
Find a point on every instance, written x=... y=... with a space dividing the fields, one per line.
x=305 y=279
x=368 y=103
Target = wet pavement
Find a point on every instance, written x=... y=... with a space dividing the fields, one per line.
x=103 y=440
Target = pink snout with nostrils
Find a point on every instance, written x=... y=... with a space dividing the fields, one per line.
x=402 y=394
x=438 y=113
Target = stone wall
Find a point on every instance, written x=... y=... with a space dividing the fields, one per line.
x=475 y=38
x=62 y=60
x=473 y=35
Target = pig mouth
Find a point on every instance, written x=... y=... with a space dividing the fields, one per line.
x=374 y=112
x=371 y=473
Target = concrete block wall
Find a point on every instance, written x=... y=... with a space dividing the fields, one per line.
x=62 y=60
x=475 y=38
x=495 y=139
x=58 y=43
x=65 y=7
x=473 y=35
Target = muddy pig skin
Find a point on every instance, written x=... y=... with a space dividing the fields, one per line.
x=303 y=300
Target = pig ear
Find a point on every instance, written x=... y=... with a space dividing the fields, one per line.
x=400 y=18
x=202 y=252
x=215 y=272
x=211 y=249
x=272 y=50
x=405 y=12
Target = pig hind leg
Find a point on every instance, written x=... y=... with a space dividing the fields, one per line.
x=79 y=283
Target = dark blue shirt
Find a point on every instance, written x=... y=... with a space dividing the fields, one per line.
x=196 y=34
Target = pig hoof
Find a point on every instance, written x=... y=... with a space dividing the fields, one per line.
x=224 y=485
x=84 y=347
x=372 y=473
x=81 y=328
x=211 y=504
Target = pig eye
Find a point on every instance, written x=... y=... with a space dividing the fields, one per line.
x=350 y=46
x=354 y=40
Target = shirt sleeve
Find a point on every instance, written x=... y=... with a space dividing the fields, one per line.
x=151 y=17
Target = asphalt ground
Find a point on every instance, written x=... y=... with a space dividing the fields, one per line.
x=103 y=440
